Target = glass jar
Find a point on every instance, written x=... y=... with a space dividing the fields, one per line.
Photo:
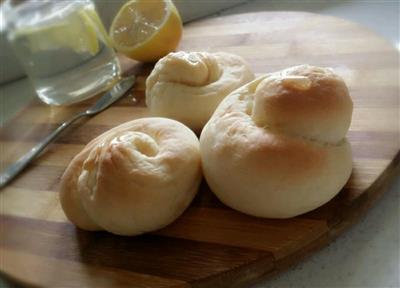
x=63 y=47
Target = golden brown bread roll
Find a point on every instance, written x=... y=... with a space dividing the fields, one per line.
x=135 y=178
x=188 y=86
x=276 y=147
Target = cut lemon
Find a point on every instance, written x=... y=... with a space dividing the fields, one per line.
x=79 y=31
x=146 y=30
x=88 y=34
x=93 y=19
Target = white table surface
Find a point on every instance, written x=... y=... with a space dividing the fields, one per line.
x=368 y=254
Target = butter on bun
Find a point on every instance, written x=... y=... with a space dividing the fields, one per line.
x=277 y=146
x=137 y=177
x=188 y=86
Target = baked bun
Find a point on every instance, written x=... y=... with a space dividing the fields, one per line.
x=137 y=177
x=188 y=86
x=276 y=147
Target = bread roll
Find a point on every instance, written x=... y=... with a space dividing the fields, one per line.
x=188 y=86
x=276 y=147
x=135 y=178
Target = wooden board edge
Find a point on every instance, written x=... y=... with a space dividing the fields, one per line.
x=240 y=276
x=368 y=198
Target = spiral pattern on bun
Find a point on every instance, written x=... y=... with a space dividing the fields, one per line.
x=137 y=177
x=277 y=146
x=188 y=86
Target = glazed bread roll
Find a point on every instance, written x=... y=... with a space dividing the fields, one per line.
x=135 y=178
x=188 y=86
x=276 y=147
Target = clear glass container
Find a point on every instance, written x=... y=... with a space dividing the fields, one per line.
x=63 y=47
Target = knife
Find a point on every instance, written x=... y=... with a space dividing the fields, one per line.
x=104 y=102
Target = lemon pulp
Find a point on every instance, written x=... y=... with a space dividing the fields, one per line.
x=146 y=30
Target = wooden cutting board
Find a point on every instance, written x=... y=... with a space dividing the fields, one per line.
x=210 y=245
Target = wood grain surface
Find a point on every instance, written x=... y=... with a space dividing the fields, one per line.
x=210 y=245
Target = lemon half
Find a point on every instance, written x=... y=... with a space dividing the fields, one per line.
x=146 y=30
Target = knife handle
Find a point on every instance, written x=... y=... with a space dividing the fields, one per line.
x=14 y=169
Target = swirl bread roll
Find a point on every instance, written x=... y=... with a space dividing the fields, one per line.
x=188 y=86
x=276 y=147
x=137 y=177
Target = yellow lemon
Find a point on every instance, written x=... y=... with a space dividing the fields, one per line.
x=88 y=33
x=79 y=31
x=146 y=30
x=92 y=19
